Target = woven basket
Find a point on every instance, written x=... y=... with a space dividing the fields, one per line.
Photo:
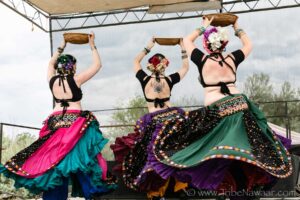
x=76 y=38
x=222 y=19
x=167 y=41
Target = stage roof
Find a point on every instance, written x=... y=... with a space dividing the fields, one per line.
x=58 y=7
x=66 y=15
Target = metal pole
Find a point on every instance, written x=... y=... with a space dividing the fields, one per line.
x=286 y=119
x=289 y=130
x=221 y=10
x=1 y=135
x=51 y=47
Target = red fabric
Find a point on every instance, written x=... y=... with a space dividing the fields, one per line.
x=255 y=176
x=121 y=148
x=228 y=184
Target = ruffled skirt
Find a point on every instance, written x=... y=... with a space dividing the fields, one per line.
x=226 y=146
x=68 y=145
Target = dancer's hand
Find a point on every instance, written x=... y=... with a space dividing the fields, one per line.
x=63 y=44
x=92 y=39
x=151 y=43
x=235 y=25
x=206 y=22
x=181 y=43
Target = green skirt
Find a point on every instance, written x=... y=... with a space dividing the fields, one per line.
x=205 y=143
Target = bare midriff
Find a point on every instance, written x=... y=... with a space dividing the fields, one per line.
x=213 y=94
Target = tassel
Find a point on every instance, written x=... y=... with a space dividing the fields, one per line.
x=65 y=105
x=158 y=102
x=224 y=89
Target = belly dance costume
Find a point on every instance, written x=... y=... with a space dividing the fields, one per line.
x=134 y=152
x=67 y=152
x=226 y=146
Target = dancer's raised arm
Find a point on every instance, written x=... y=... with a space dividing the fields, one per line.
x=190 y=39
x=53 y=60
x=185 y=63
x=247 y=44
x=137 y=61
x=94 y=68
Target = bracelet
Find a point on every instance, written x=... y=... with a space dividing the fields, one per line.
x=238 y=32
x=146 y=50
x=183 y=51
x=201 y=30
x=184 y=56
x=60 y=50
x=93 y=48
x=241 y=34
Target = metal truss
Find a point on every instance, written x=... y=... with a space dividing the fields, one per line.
x=57 y=23
x=29 y=12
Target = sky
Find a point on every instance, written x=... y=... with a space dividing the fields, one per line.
x=25 y=95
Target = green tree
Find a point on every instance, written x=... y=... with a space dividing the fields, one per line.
x=287 y=93
x=136 y=108
x=259 y=88
x=13 y=145
x=10 y=147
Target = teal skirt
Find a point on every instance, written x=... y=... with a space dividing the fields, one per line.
x=81 y=158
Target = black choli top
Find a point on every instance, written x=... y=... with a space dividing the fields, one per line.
x=144 y=79
x=76 y=91
x=199 y=58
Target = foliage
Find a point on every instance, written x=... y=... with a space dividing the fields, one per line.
x=10 y=147
x=273 y=102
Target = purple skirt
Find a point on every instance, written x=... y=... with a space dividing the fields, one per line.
x=134 y=155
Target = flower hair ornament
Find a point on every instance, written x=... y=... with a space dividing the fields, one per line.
x=215 y=39
x=157 y=63
x=65 y=64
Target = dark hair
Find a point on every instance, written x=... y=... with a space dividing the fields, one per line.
x=65 y=64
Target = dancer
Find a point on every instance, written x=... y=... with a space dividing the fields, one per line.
x=227 y=145
x=69 y=145
x=134 y=151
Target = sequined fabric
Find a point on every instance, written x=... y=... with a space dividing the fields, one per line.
x=182 y=130
x=62 y=121
x=231 y=106
x=15 y=163
x=193 y=124
x=54 y=122
x=137 y=157
x=266 y=154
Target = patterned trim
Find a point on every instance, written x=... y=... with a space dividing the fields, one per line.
x=261 y=165
x=179 y=132
x=232 y=106
x=16 y=162
x=135 y=160
x=62 y=121
x=136 y=181
x=233 y=149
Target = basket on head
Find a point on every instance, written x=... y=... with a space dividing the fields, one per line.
x=167 y=41
x=76 y=38
x=222 y=19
